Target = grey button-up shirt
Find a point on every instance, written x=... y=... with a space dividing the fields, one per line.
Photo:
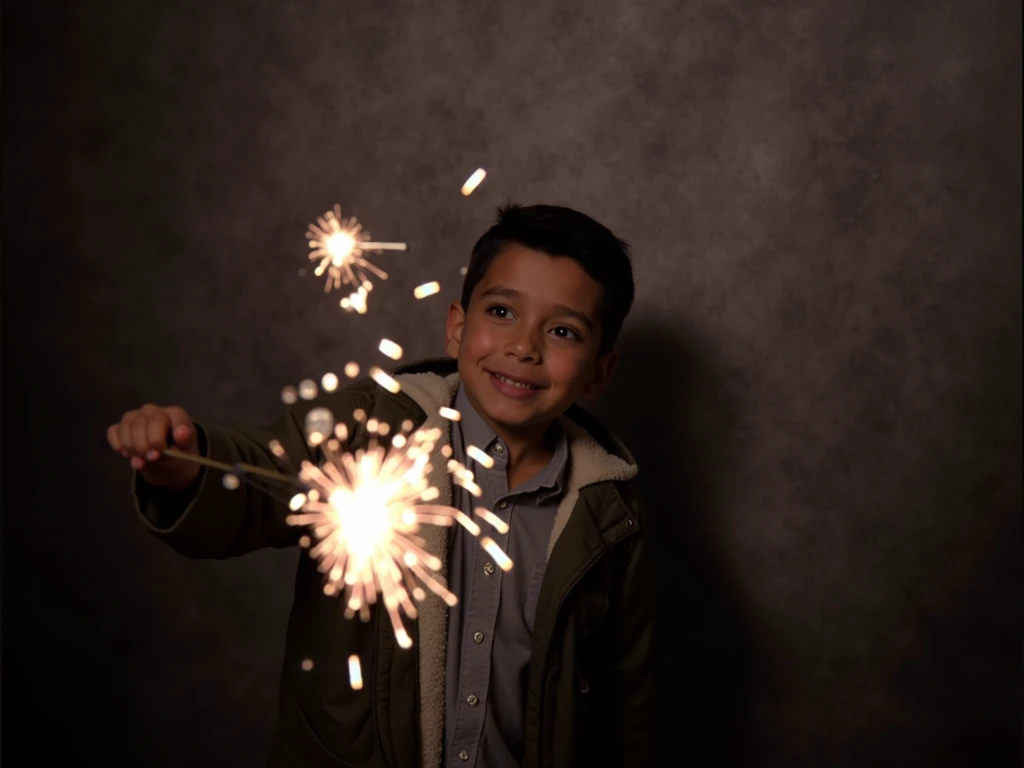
x=490 y=631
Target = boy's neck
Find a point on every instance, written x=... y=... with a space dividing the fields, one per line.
x=529 y=451
x=529 y=448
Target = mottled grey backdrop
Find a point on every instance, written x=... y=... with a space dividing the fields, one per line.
x=822 y=375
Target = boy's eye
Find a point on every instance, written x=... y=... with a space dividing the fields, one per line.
x=563 y=332
x=499 y=311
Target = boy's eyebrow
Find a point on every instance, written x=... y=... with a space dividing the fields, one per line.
x=560 y=309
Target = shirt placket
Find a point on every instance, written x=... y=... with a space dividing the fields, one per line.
x=480 y=619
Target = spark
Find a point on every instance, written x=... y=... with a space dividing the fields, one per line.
x=339 y=246
x=307 y=389
x=352 y=369
x=319 y=422
x=427 y=289
x=473 y=181
x=385 y=381
x=355 y=673
x=289 y=395
x=307 y=664
x=449 y=413
x=364 y=511
x=479 y=456
x=499 y=525
x=329 y=382
x=503 y=560
x=464 y=477
x=389 y=348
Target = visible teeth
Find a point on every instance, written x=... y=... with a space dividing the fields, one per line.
x=514 y=383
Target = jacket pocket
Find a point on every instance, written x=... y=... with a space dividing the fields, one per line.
x=298 y=744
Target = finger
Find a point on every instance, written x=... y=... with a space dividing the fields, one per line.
x=124 y=431
x=182 y=429
x=157 y=425
x=113 y=438
x=140 y=434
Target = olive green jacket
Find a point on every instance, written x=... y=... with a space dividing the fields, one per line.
x=590 y=699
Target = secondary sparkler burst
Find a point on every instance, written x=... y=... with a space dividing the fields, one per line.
x=339 y=246
x=364 y=510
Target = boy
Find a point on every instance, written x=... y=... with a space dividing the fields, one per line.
x=549 y=664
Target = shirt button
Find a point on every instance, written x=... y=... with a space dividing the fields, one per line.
x=472 y=701
x=463 y=755
x=478 y=637
x=502 y=505
x=499 y=448
x=488 y=568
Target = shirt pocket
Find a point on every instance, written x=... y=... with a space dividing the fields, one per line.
x=532 y=593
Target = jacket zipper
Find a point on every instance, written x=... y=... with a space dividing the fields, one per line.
x=558 y=610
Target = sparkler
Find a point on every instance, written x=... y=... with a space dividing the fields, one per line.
x=339 y=246
x=365 y=510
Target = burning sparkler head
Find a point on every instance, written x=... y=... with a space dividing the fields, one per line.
x=364 y=513
x=338 y=246
x=365 y=509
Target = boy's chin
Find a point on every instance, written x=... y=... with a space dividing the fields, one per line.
x=518 y=415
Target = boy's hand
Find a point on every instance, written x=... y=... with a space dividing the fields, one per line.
x=142 y=437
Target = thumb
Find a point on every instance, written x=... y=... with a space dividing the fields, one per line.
x=185 y=438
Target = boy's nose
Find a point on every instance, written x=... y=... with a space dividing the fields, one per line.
x=523 y=347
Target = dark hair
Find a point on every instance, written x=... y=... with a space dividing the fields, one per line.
x=559 y=231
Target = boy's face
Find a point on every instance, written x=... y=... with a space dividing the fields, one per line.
x=528 y=345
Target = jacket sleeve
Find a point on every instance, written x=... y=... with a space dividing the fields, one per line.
x=212 y=521
x=633 y=668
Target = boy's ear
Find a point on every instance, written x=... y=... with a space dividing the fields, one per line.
x=603 y=370
x=453 y=329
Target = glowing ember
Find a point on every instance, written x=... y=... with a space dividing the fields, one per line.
x=449 y=413
x=485 y=514
x=385 y=381
x=473 y=181
x=389 y=348
x=355 y=673
x=427 y=289
x=479 y=456
x=496 y=552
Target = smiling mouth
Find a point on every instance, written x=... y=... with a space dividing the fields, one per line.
x=513 y=382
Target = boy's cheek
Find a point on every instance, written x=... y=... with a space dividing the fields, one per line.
x=478 y=344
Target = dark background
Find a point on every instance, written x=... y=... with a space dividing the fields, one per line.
x=821 y=377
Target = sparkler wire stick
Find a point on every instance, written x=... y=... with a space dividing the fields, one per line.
x=174 y=453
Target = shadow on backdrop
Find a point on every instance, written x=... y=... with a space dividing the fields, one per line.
x=668 y=405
